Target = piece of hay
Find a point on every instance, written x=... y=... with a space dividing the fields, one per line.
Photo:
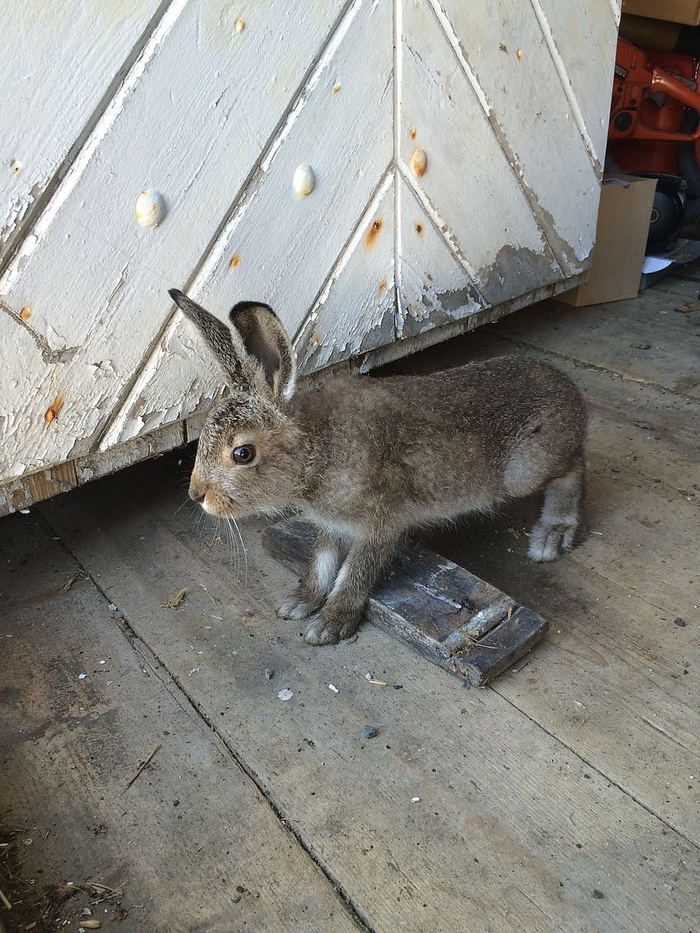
x=175 y=601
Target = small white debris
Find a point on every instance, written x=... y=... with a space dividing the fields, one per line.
x=368 y=676
x=333 y=688
x=103 y=662
x=285 y=694
x=415 y=799
x=195 y=670
x=82 y=676
x=24 y=511
x=112 y=607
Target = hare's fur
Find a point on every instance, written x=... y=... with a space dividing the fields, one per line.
x=367 y=459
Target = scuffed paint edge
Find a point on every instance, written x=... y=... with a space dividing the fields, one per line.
x=25 y=491
x=428 y=338
x=616 y=10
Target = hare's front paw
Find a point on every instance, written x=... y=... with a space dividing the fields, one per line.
x=549 y=541
x=328 y=627
x=298 y=606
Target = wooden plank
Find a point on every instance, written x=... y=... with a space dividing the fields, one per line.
x=42 y=113
x=512 y=51
x=193 y=844
x=434 y=287
x=133 y=451
x=28 y=489
x=587 y=79
x=92 y=332
x=441 y=113
x=440 y=609
x=427 y=339
x=534 y=845
x=362 y=280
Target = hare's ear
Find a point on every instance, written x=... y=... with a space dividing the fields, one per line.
x=266 y=340
x=226 y=345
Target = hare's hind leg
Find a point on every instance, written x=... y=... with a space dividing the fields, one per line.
x=318 y=579
x=560 y=525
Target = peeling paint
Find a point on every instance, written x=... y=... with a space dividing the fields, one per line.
x=104 y=366
x=48 y=355
x=14 y=214
x=322 y=351
x=520 y=267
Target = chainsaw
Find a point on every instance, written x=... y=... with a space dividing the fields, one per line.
x=654 y=130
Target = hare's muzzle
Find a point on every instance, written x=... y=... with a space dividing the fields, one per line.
x=196 y=492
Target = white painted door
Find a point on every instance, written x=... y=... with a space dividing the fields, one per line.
x=455 y=151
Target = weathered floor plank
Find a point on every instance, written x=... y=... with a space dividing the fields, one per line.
x=192 y=844
x=644 y=338
x=512 y=830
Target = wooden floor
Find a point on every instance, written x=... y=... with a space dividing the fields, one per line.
x=562 y=798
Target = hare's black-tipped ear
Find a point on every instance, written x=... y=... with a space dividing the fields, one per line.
x=266 y=340
x=226 y=346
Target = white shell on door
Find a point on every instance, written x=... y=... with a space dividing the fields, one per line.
x=376 y=170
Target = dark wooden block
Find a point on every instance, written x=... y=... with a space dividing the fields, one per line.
x=442 y=610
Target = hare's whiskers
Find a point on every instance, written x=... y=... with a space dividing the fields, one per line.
x=243 y=549
x=232 y=543
x=187 y=501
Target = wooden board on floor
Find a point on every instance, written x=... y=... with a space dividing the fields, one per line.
x=463 y=812
x=192 y=844
x=441 y=610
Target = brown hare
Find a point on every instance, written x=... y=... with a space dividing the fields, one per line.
x=366 y=460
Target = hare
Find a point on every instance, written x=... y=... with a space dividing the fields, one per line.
x=366 y=459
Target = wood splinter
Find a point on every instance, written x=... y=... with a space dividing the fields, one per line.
x=142 y=767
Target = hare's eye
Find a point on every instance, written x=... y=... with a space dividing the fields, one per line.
x=244 y=454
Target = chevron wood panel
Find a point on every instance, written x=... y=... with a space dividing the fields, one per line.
x=456 y=153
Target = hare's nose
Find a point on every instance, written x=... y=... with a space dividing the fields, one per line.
x=196 y=493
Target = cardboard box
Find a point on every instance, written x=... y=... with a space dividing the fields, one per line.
x=621 y=236
x=674 y=11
